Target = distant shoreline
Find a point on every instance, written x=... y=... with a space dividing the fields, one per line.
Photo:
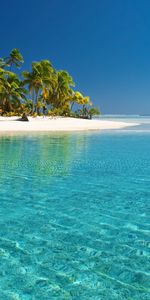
x=45 y=124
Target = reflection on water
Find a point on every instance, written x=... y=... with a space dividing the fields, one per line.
x=74 y=216
x=53 y=153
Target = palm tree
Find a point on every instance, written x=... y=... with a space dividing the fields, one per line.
x=49 y=88
x=79 y=99
x=34 y=82
x=15 y=58
x=49 y=79
x=62 y=91
x=11 y=92
x=93 y=111
x=40 y=79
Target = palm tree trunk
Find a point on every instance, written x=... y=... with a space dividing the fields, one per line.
x=72 y=104
x=36 y=98
x=32 y=101
x=8 y=106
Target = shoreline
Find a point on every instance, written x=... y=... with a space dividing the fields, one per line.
x=53 y=124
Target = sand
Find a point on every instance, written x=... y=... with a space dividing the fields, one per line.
x=10 y=124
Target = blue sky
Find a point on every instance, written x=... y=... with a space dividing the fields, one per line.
x=104 y=44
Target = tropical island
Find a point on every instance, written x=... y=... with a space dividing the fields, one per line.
x=44 y=92
x=41 y=91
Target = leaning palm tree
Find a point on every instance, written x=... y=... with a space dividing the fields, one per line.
x=14 y=59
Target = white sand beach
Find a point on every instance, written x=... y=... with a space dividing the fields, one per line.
x=11 y=124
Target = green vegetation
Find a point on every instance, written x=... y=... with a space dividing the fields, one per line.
x=43 y=90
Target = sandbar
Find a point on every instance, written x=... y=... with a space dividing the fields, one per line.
x=11 y=124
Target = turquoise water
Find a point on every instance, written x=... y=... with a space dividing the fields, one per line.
x=75 y=216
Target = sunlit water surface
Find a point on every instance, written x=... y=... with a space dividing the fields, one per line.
x=75 y=216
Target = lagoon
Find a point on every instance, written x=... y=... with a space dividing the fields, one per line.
x=75 y=215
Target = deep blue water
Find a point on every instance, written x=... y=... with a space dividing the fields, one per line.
x=75 y=216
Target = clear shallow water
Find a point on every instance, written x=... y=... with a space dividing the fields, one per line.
x=75 y=216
